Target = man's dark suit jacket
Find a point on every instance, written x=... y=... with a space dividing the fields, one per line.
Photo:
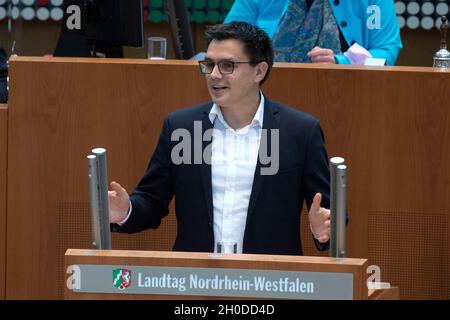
x=273 y=218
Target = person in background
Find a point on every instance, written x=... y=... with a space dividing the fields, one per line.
x=325 y=31
x=3 y=76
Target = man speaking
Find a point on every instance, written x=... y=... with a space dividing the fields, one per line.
x=240 y=166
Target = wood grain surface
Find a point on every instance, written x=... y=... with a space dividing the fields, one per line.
x=3 y=194
x=390 y=124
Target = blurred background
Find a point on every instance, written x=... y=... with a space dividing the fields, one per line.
x=32 y=27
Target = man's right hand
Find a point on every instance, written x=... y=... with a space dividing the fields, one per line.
x=119 y=204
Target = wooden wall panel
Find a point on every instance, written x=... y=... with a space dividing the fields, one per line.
x=390 y=124
x=3 y=194
x=71 y=108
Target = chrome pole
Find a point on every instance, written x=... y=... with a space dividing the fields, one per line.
x=335 y=197
x=94 y=201
x=341 y=210
x=105 y=233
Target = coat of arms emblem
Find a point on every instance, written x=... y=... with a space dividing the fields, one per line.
x=121 y=278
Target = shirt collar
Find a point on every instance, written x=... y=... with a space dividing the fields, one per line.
x=257 y=119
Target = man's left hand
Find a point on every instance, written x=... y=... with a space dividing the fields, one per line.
x=321 y=55
x=319 y=218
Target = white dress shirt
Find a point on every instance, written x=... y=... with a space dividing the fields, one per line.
x=234 y=155
x=233 y=163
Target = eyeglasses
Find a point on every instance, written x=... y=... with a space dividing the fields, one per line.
x=225 y=66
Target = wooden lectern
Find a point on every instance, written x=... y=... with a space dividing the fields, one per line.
x=114 y=274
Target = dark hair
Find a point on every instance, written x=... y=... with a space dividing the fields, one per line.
x=257 y=44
